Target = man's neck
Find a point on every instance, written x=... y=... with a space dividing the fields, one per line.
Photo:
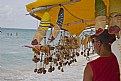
x=106 y=53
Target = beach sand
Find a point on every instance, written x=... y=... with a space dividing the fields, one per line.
x=74 y=72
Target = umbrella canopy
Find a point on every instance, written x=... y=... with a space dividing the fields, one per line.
x=78 y=14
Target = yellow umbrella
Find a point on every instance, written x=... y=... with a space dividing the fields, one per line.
x=78 y=14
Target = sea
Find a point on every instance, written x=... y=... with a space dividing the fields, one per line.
x=16 y=60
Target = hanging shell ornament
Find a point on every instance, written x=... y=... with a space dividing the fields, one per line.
x=43 y=27
x=100 y=22
x=58 y=24
x=85 y=41
x=35 y=59
x=64 y=53
x=114 y=24
x=35 y=70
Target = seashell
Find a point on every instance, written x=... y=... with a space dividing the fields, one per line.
x=69 y=63
x=70 y=57
x=60 y=63
x=64 y=57
x=52 y=48
x=50 y=59
x=53 y=68
x=38 y=59
x=35 y=70
x=57 y=55
x=50 y=66
x=88 y=53
x=50 y=69
x=58 y=59
x=66 y=63
x=47 y=63
x=61 y=47
x=45 y=49
x=88 y=49
x=33 y=49
x=55 y=61
x=35 y=60
x=59 y=67
x=92 y=52
x=77 y=54
x=37 y=52
x=45 y=60
x=67 y=58
x=56 y=64
x=73 y=55
x=39 y=70
x=66 y=54
x=35 y=56
x=75 y=60
x=62 y=70
x=44 y=71
x=84 y=55
x=43 y=68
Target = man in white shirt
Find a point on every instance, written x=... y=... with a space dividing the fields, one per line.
x=116 y=49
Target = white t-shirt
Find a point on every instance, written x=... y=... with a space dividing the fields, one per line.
x=116 y=49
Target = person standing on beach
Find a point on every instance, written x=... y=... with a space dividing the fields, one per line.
x=106 y=67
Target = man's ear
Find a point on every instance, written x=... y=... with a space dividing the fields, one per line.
x=99 y=43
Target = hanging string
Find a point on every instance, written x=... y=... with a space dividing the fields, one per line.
x=71 y=13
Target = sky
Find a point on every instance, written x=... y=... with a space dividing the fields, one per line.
x=12 y=14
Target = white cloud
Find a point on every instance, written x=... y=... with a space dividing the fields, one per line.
x=5 y=11
x=12 y=14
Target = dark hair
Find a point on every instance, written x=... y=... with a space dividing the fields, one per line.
x=106 y=45
x=105 y=38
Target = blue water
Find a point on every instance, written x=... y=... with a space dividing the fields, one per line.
x=12 y=52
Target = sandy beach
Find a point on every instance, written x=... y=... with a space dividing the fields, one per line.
x=74 y=72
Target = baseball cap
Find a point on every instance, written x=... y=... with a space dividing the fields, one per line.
x=105 y=37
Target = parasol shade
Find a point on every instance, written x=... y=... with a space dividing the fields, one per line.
x=77 y=15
